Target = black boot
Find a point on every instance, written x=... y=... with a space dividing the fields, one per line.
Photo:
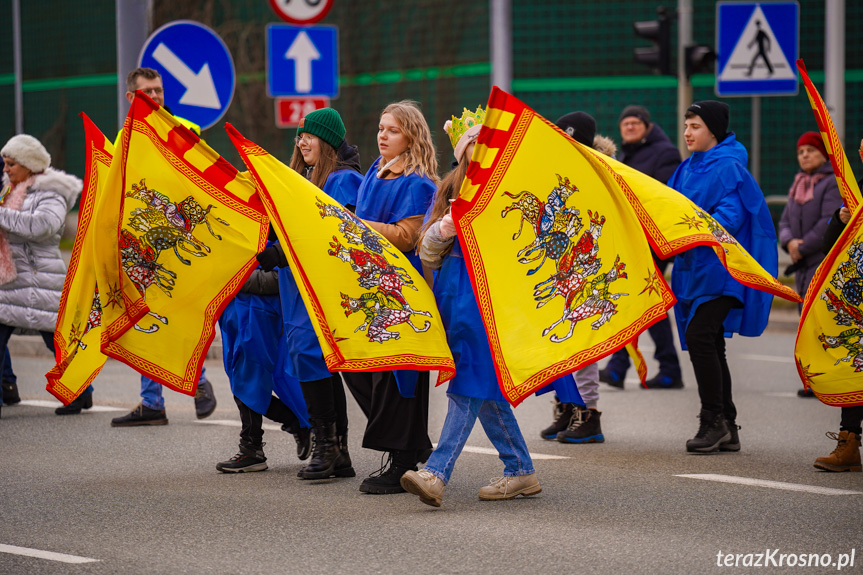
x=303 y=437
x=344 y=467
x=562 y=414
x=712 y=432
x=10 y=393
x=76 y=405
x=732 y=444
x=326 y=453
x=387 y=479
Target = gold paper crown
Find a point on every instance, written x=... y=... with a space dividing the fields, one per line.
x=461 y=125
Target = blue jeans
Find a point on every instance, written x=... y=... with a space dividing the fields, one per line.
x=8 y=374
x=151 y=391
x=499 y=425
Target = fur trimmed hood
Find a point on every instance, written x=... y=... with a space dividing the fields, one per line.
x=604 y=145
x=57 y=181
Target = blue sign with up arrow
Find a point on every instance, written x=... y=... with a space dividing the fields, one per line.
x=302 y=60
x=197 y=70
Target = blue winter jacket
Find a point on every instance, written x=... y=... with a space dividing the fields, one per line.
x=717 y=180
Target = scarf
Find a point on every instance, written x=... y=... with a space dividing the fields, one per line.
x=12 y=198
x=803 y=188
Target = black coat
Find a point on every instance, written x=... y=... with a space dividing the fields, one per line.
x=655 y=155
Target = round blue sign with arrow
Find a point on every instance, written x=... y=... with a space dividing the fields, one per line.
x=197 y=70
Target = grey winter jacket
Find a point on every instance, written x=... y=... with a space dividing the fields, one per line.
x=32 y=299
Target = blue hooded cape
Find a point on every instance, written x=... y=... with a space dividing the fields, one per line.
x=718 y=181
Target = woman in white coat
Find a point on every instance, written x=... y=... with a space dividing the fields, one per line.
x=33 y=205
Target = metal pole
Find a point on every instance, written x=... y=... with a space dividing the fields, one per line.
x=834 y=63
x=16 y=66
x=501 y=44
x=133 y=27
x=755 y=156
x=684 y=88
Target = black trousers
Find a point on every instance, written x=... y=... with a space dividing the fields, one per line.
x=252 y=431
x=706 y=343
x=851 y=419
x=327 y=402
x=395 y=423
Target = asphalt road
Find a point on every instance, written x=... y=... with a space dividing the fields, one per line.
x=149 y=500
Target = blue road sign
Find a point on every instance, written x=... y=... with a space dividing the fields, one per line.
x=197 y=70
x=757 y=46
x=302 y=60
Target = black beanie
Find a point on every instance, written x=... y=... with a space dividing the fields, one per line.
x=639 y=112
x=580 y=126
x=715 y=115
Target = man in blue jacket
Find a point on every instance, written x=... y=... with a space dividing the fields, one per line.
x=710 y=303
x=647 y=149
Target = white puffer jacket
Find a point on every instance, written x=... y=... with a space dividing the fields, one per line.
x=31 y=300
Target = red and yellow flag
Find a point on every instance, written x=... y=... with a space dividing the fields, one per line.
x=841 y=167
x=560 y=267
x=77 y=337
x=557 y=239
x=371 y=310
x=188 y=226
x=829 y=346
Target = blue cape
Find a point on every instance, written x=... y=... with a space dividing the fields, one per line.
x=718 y=181
x=254 y=351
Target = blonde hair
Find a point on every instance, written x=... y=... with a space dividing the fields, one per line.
x=448 y=190
x=420 y=156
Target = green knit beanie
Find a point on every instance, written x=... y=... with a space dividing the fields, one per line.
x=325 y=124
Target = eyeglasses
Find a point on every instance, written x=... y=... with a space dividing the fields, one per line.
x=632 y=124
x=307 y=138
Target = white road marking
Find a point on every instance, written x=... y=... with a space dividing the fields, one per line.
x=771 y=484
x=50 y=555
x=773 y=358
x=54 y=404
x=235 y=423
x=490 y=451
x=781 y=394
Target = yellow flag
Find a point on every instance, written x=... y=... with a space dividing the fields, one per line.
x=841 y=167
x=829 y=346
x=562 y=272
x=371 y=310
x=673 y=223
x=189 y=226
x=77 y=337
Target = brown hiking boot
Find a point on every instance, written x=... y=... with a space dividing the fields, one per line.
x=846 y=456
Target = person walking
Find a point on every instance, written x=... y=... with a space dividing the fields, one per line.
x=393 y=198
x=711 y=303
x=647 y=149
x=474 y=392
x=34 y=201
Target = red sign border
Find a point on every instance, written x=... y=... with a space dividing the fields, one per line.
x=275 y=6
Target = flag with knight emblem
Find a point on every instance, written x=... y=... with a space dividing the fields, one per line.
x=371 y=310
x=77 y=337
x=188 y=226
x=557 y=238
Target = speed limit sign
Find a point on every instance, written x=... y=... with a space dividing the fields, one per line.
x=301 y=11
x=289 y=111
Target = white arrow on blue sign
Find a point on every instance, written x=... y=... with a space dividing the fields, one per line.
x=196 y=67
x=302 y=60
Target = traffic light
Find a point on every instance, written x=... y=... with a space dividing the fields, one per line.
x=657 y=31
x=699 y=59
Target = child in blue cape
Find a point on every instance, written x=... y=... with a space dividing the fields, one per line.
x=325 y=158
x=474 y=392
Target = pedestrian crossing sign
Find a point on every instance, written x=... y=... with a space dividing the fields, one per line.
x=757 y=47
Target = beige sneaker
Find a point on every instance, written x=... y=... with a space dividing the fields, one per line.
x=424 y=483
x=510 y=488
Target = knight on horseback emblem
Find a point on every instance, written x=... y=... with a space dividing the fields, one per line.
x=847 y=304
x=560 y=235
x=163 y=225
x=386 y=306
